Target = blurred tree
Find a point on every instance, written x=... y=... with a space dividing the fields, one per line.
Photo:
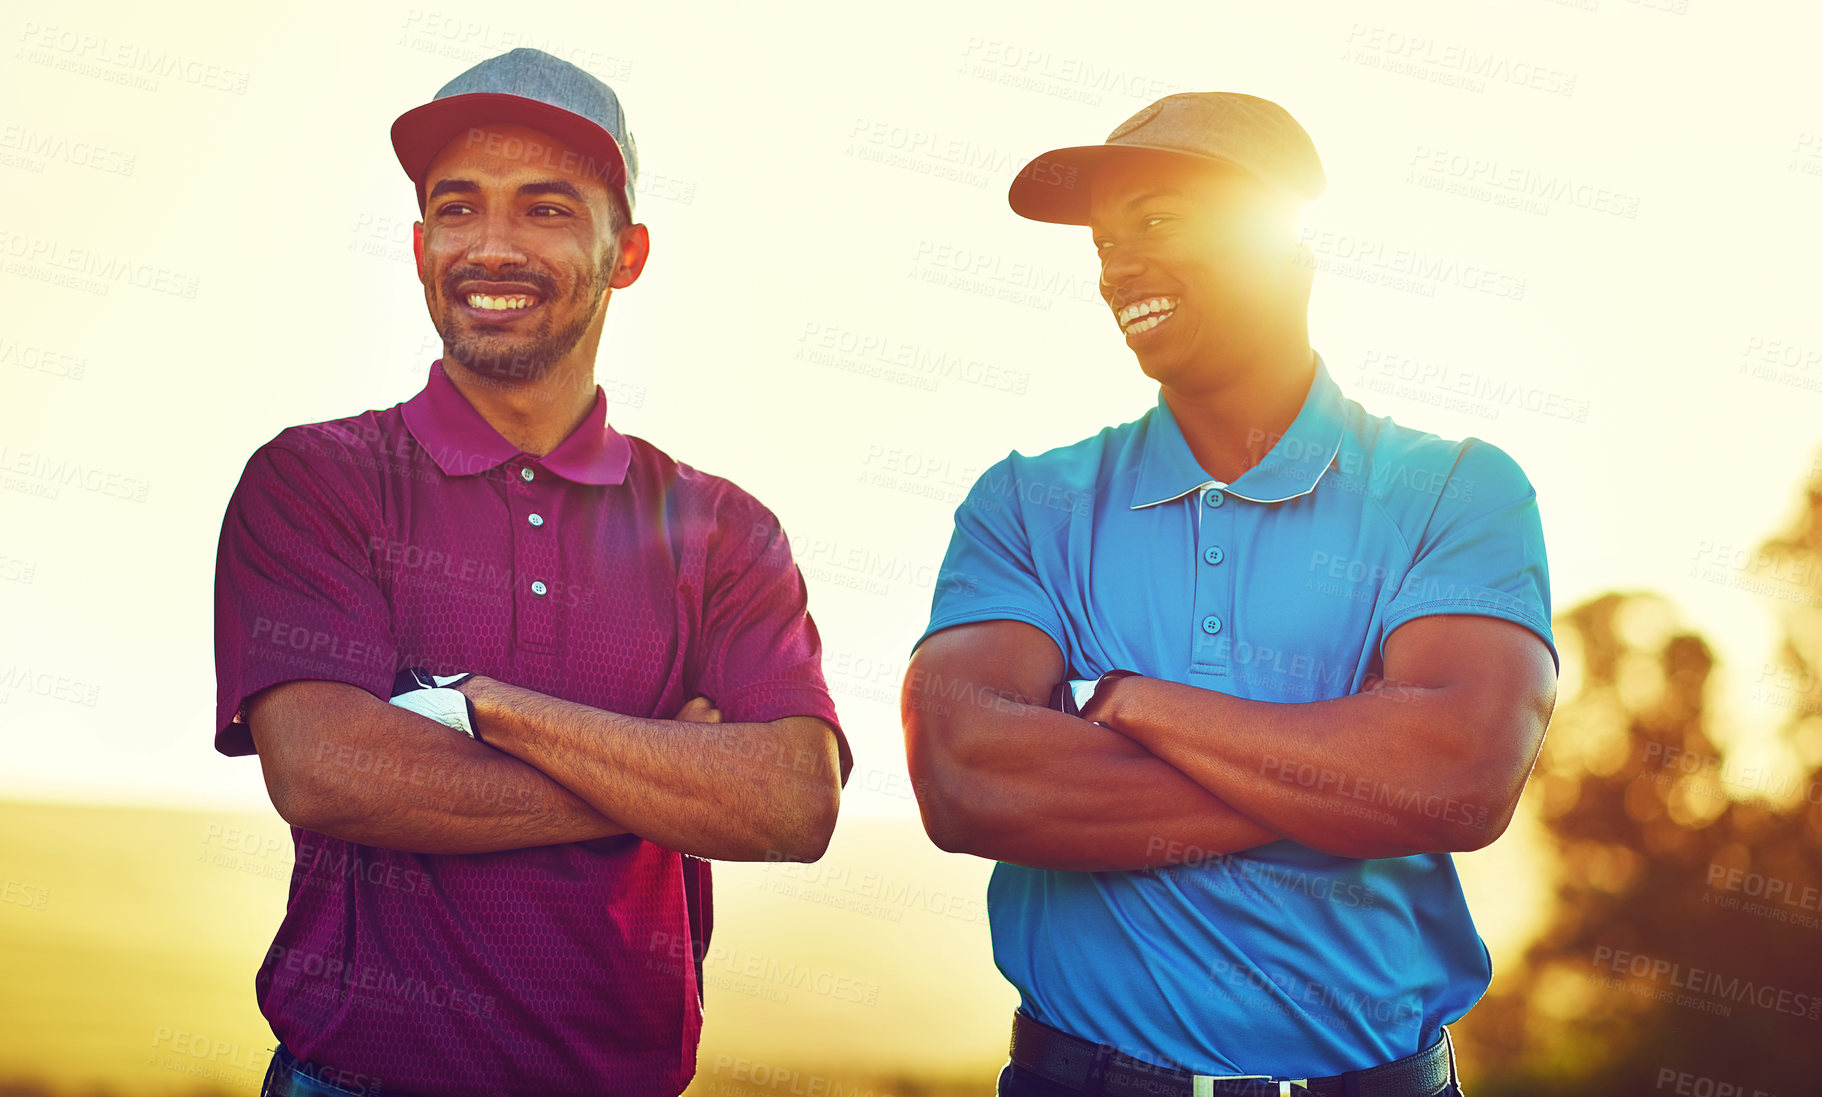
x=1684 y=951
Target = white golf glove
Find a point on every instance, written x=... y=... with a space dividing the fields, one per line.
x=1082 y=689
x=434 y=695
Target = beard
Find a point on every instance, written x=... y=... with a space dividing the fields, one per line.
x=524 y=357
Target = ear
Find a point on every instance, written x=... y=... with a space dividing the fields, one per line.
x=635 y=246
x=417 y=247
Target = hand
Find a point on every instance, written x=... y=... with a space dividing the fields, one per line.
x=1098 y=704
x=699 y=710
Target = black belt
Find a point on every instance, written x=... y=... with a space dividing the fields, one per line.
x=1074 y=1062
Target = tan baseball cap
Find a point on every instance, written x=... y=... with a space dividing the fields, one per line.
x=1254 y=134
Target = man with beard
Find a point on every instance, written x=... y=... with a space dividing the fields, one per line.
x=1301 y=653
x=600 y=663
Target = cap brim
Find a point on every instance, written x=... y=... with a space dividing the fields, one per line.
x=421 y=133
x=1056 y=186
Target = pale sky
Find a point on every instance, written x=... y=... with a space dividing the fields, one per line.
x=208 y=239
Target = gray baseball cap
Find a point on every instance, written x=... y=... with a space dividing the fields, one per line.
x=532 y=88
x=1254 y=134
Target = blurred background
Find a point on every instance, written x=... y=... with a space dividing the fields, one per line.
x=1584 y=230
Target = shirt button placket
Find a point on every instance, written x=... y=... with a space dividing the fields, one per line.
x=535 y=560
x=1211 y=635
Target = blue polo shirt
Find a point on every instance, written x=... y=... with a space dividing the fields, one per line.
x=1281 y=586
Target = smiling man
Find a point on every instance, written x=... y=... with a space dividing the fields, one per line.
x=512 y=676
x=1222 y=688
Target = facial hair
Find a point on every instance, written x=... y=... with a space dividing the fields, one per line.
x=512 y=359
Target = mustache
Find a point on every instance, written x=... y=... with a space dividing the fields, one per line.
x=543 y=283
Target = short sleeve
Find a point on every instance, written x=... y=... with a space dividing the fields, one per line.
x=296 y=596
x=1482 y=551
x=989 y=572
x=762 y=655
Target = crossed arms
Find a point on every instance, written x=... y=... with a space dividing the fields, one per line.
x=342 y=762
x=1431 y=757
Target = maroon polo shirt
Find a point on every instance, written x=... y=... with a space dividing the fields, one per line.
x=604 y=573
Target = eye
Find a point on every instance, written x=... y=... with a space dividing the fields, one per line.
x=1154 y=220
x=450 y=209
x=557 y=211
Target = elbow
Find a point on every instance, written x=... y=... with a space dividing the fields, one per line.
x=1493 y=800
x=1483 y=827
x=947 y=832
x=296 y=802
x=949 y=816
x=1473 y=819
x=804 y=833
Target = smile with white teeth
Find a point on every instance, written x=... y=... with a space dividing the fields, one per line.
x=497 y=304
x=1145 y=315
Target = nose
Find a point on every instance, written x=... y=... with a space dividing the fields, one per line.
x=496 y=244
x=1119 y=266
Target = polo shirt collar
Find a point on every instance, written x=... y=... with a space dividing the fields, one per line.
x=1168 y=470
x=463 y=443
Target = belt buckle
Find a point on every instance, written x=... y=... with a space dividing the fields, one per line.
x=1203 y=1085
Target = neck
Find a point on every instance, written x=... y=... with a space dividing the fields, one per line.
x=534 y=414
x=1233 y=420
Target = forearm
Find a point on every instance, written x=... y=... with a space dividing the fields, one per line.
x=1381 y=773
x=383 y=776
x=728 y=791
x=1032 y=786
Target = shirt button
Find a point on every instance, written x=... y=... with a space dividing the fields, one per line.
x=1212 y=554
x=538 y=587
x=526 y=474
x=1214 y=498
x=1211 y=624
x=536 y=519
